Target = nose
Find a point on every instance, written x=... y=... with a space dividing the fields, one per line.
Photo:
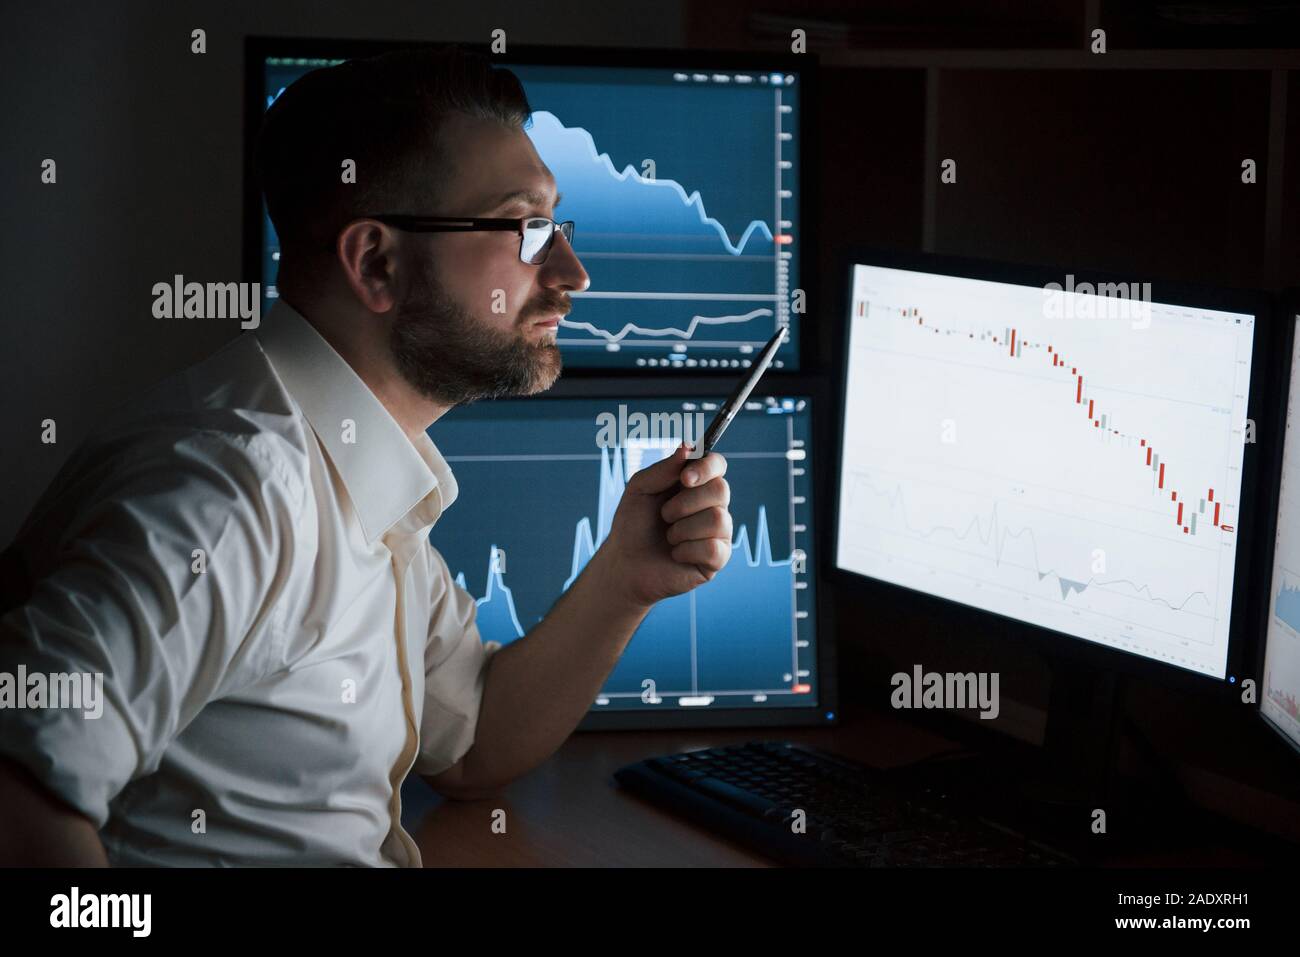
x=563 y=269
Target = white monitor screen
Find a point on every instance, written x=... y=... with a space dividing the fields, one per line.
x=1069 y=457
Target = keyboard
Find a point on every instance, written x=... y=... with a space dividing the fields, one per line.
x=802 y=806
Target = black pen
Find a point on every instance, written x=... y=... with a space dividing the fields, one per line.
x=737 y=400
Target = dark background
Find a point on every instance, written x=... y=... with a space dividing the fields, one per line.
x=1128 y=162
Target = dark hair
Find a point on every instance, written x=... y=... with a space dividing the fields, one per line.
x=384 y=112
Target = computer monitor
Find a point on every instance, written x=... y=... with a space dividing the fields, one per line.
x=1280 y=685
x=539 y=480
x=683 y=173
x=1072 y=453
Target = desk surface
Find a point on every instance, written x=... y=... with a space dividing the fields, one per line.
x=569 y=812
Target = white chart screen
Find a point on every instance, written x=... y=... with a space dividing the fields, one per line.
x=1282 y=653
x=1072 y=461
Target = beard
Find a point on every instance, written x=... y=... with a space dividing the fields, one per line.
x=453 y=358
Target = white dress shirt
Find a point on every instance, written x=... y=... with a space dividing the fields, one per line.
x=265 y=697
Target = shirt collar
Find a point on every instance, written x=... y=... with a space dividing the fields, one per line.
x=389 y=479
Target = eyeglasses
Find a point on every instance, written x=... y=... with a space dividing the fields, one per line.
x=536 y=233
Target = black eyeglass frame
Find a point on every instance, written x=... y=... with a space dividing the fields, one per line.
x=468 y=224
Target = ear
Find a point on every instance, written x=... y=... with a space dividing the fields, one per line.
x=367 y=253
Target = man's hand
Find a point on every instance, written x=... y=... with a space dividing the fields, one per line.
x=38 y=829
x=666 y=539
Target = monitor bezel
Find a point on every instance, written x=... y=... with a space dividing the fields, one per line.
x=1040 y=639
x=257 y=48
x=1286 y=318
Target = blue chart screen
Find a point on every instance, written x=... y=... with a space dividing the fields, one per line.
x=683 y=187
x=538 y=493
x=1279 y=702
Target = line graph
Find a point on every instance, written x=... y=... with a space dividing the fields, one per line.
x=575 y=152
x=996 y=536
x=1080 y=474
x=714 y=221
x=1282 y=649
x=746 y=637
x=687 y=333
x=1286 y=601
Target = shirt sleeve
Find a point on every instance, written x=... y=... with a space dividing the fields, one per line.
x=455 y=672
x=119 y=592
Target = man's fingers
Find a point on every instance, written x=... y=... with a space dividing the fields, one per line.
x=659 y=477
x=705 y=553
x=666 y=473
x=704 y=469
x=692 y=500
x=712 y=522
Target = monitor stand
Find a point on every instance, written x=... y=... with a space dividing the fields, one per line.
x=1067 y=792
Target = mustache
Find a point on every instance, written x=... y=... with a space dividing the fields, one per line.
x=549 y=307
